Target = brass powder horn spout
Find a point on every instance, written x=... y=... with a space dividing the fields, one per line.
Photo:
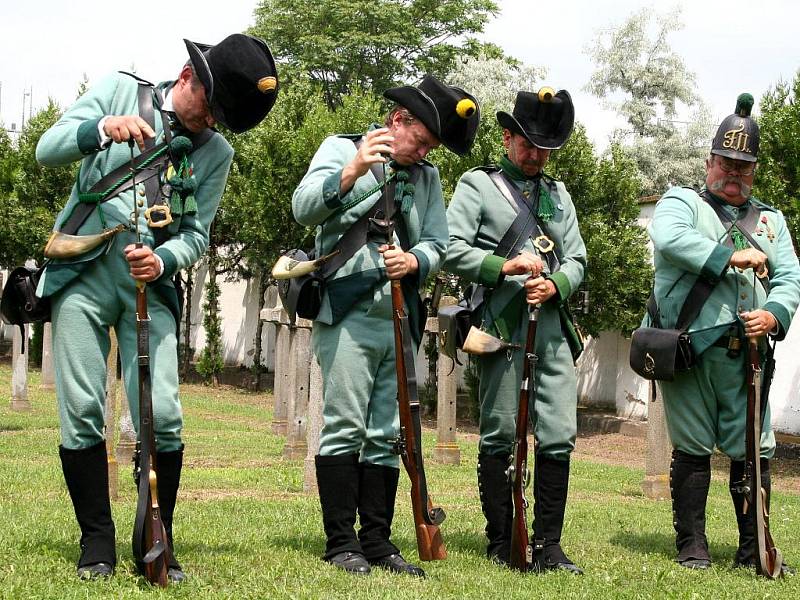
x=479 y=342
x=287 y=268
x=62 y=245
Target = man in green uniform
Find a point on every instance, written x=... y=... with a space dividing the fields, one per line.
x=726 y=237
x=513 y=276
x=353 y=340
x=232 y=83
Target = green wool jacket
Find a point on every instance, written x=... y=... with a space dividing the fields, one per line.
x=316 y=202
x=75 y=137
x=689 y=242
x=478 y=216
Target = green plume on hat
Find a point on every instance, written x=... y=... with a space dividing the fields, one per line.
x=744 y=104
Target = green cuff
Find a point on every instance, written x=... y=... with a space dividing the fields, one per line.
x=563 y=288
x=330 y=190
x=717 y=264
x=170 y=264
x=781 y=315
x=88 y=137
x=424 y=268
x=491 y=270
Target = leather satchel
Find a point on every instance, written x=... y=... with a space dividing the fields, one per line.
x=19 y=303
x=656 y=354
x=454 y=324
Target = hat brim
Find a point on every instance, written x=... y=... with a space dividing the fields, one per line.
x=201 y=68
x=508 y=121
x=419 y=104
x=735 y=155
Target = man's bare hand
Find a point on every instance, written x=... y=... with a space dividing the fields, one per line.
x=398 y=263
x=539 y=290
x=375 y=149
x=758 y=323
x=126 y=127
x=143 y=262
x=749 y=258
x=523 y=263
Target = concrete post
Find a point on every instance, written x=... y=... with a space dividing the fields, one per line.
x=278 y=317
x=111 y=417
x=313 y=426
x=19 y=371
x=446 y=450
x=126 y=444
x=659 y=450
x=48 y=371
x=297 y=390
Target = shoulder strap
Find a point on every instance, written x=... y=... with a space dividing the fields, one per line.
x=750 y=221
x=525 y=225
x=691 y=308
x=356 y=236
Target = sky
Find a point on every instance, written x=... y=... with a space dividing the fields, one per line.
x=47 y=46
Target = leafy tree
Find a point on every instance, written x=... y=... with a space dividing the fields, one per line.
x=637 y=62
x=778 y=176
x=346 y=45
x=7 y=163
x=38 y=194
x=211 y=363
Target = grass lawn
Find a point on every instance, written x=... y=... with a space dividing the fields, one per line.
x=245 y=529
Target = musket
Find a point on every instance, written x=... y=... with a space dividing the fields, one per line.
x=521 y=557
x=427 y=517
x=150 y=543
x=768 y=559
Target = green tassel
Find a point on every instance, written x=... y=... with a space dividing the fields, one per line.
x=189 y=205
x=88 y=198
x=176 y=205
x=546 y=208
x=739 y=241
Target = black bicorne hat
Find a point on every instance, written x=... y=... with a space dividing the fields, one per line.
x=449 y=113
x=737 y=136
x=545 y=118
x=239 y=77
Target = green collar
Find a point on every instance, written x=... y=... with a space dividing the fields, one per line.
x=546 y=210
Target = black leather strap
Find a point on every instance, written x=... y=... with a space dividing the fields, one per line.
x=525 y=225
x=148 y=176
x=750 y=221
x=356 y=236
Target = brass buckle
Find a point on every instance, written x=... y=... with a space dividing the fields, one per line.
x=158 y=209
x=543 y=244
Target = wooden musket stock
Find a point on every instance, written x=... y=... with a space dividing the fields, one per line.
x=521 y=556
x=427 y=517
x=768 y=558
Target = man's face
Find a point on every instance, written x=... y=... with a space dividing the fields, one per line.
x=190 y=104
x=529 y=158
x=731 y=180
x=412 y=141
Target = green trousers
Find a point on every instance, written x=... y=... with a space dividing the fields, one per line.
x=359 y=391
x=554 y=399
x=706 y=406
x=104 y=296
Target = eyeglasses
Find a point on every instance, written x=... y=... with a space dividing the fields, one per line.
x=742 y=167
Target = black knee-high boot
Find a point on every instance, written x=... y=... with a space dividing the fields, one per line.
x=494 y=490
x=86 y=474
x=550 y=487
x=169 y=478
x=377 y=492
x=690 y=477
x=337 y=481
